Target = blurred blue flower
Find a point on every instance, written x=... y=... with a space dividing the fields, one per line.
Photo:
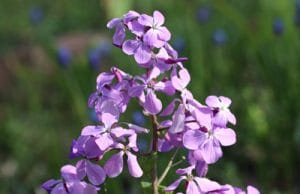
x=95 y=55
x=142 y=145
x=36 y=15
x=179 y=44
x=64 y=57
x=219 y=37
x=203 y=14
x=138 y=118
x=278 y=26
x=93 y=116
x=297 y=15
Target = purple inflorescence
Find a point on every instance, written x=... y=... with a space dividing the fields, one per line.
x=201 y=129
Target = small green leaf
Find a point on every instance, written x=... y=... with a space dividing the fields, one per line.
x=145 y=184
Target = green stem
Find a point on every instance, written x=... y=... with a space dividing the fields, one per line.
x=155 y=126
x=169 y=166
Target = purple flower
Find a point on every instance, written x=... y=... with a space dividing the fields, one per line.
x=71 y=183
x=278 y=27
x=114 y=166
x=137 y=48
x=145 y=90
x=64 y=57
x=181 y=80
x=95 y=173
x=220 y=106
x=157 y=35
x=209 y=142
x=194 y=185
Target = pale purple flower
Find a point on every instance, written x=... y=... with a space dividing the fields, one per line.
x=95 y=173
x=137 y=48
x=145 y=87
x=71 y=183
x=181 y=80
x=207 y=138
x=220 y=106
x=114 y=166
x=194 y=185
x=157 y=35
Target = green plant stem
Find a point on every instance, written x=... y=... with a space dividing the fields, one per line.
x=155 y=126
x=169 y=166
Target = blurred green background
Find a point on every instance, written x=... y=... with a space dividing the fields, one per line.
x=52 y=51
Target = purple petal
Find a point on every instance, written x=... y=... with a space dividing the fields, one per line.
x=164 y=34
x=90 y=189
x=130 y=16
x=119 y=35
x=231 y=118
x=164 y=145
x=152 y=104
x=169 y=109
x=137 y=129
x=211 y=152
x=142 y=54
x=158 y=18
x=59 y=189
x=225 y=101
x=145 y=20
x=133 y=165
x=136 y=28
x=178 y=120
x=213 y=102
x=104 y=141
x=133 y=142
x=92 y=130
x=104 y=78
x=95 y=173
x=136 y=91
x=154 y=73
x=182 y=81
x=187 y=170
x=220 y=119
x=114 y=166
x=151 y=38
x=69 y=173
x=192 y=188
x=112 y=23
x=48 y=185
x=175 y=184
x=119 y=132
x=129 y=47
x=252 y=190
x=165 y=87
x=226 y=136
x=81 y=169
x=207 y=185
x=193 y=139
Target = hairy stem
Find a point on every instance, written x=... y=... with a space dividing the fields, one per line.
x=155 y=126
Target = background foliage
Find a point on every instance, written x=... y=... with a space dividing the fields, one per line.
x=52 y=51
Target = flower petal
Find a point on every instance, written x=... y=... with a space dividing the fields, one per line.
x=192 y=188
x=207 y=185
x=95 y=173
x=129 y=47
x=211 y=152
x=193 y=139
x=152 y=104
x=104 y=141
x=158 y=18
x=175 y=184
x=142 y=54
x=133 y=165
x=213 y=102
x=114 y=166
x=226 y=136
x=178 y=120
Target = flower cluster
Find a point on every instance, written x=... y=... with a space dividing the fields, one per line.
x=185 y=123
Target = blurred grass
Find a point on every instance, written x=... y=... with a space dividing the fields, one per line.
x=43 y=106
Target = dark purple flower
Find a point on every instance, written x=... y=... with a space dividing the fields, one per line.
x=278 y=27
x=64 y=57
